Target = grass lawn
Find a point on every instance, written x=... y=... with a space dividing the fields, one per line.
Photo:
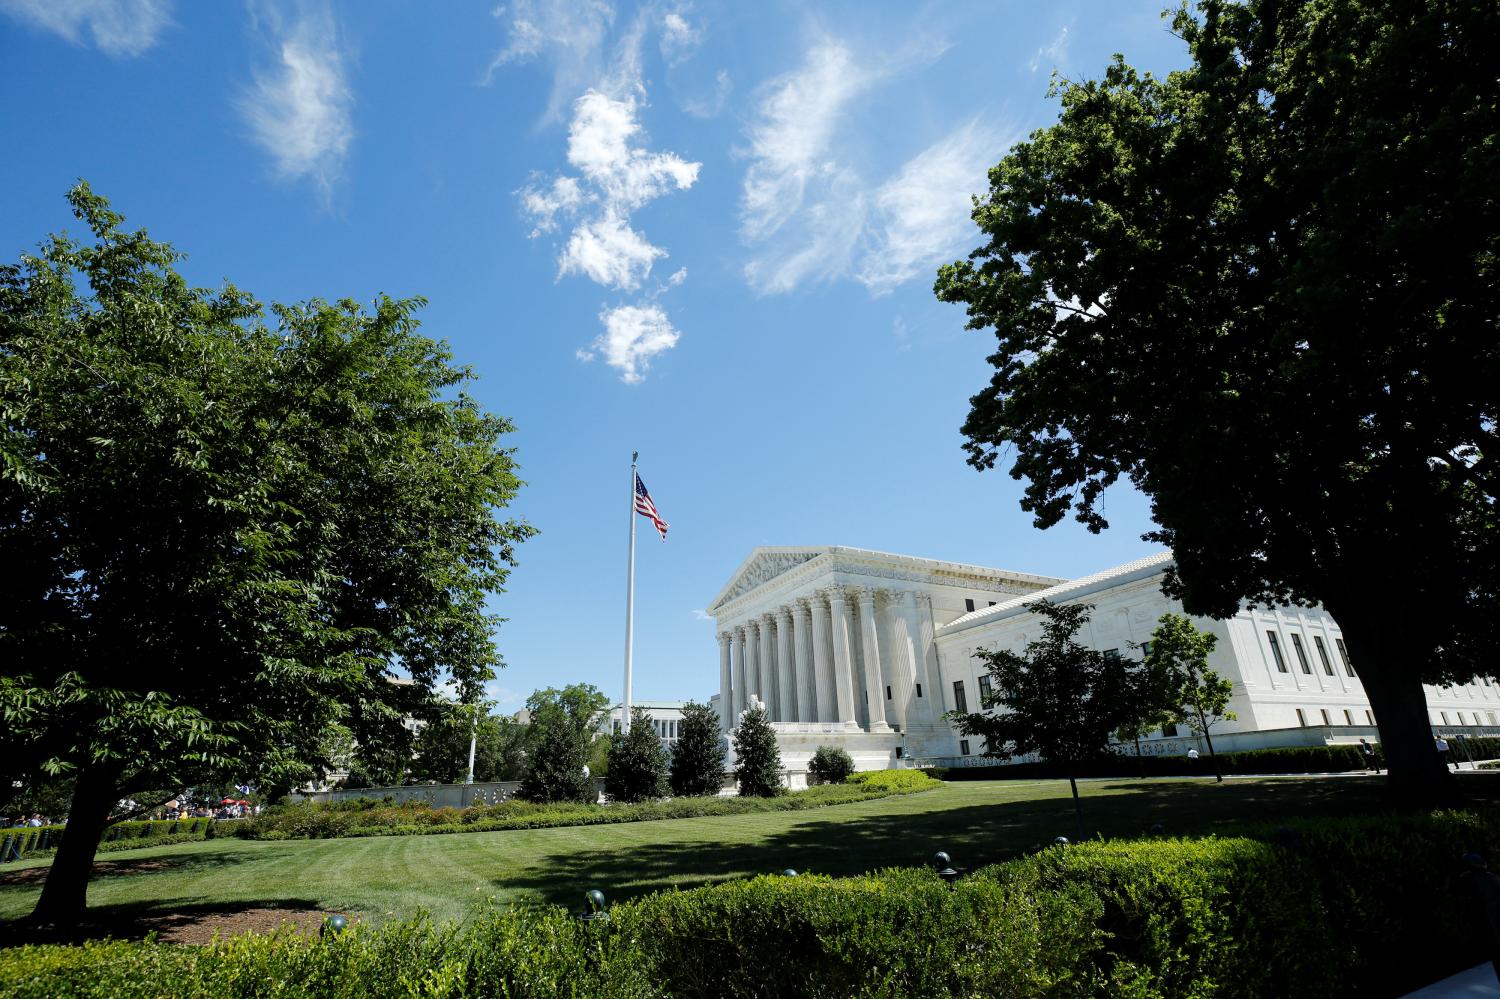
x=380 y=877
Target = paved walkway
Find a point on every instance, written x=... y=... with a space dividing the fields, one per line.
x=1478 y=982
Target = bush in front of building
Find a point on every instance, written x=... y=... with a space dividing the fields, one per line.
x=1289 y=760
x=637 y=763
x=757 y=757
x=21 y=842
x=698 y=754
x=829 y=765
x=1365 y=906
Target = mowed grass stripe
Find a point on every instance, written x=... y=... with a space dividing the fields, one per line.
x=978 y=822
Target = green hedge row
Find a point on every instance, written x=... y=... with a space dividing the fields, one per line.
x=1368 y=907
x=1291 y=760
x=21 y=842
x=319 y=821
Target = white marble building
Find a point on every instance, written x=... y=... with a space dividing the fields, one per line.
x=814 y=632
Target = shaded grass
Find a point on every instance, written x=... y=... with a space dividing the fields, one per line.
x=978 y=823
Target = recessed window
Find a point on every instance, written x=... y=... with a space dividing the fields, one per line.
x=1492 y=717
x=1145 y=650
x=960 y=699
x=1301 y=653
x=986 y=689
x=968 y=605
x=1461 y=719
x=1276 y=652
x=1444 y=716
x=1323 y=654
x=963 y=746
x=888 y=692
x=1369 y=716
x=1344 y=655
x=919 y=690
x=992 y=603
x=1348 y=717
x=1326 y=719
x=1301 y=717
x=1168 y=730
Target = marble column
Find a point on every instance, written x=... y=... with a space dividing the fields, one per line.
x=786 y=688
x=843 y=659
x=739 y=676
x=873 y=682
x=726 y=684
x=807 y=703
x=752 y=662
x=920 y=712
x=768 y=667
x=900 y=668
x=822 y=662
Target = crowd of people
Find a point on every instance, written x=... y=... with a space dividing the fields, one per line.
x=36 y=820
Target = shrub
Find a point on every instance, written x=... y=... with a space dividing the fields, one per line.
x=1287 y=760
x=757 y=764
x=20 y=842
x=830 y=765
x=1369 y=906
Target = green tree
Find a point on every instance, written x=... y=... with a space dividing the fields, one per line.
x=757 y=764
x=1264 y=290
x=442 y=748
x=698 y=754
x=222 y=533
x=1201 y=695
x=562 y=738
x=1150 y=701
x=1058 y=699
x=637 y=762
x=830 y=765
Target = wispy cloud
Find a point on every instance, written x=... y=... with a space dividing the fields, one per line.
x=633 y=335
x=300 y=106
x=702 y=615
x=710 y=106
x=680 y=38
x=570 y=34
x=117 y=27
x=922 y=215
x=1053 y=53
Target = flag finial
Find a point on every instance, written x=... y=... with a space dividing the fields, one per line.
x=633 y=456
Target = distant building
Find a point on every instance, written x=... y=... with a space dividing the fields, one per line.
x=666 y=717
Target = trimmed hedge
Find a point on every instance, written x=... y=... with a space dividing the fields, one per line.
x=1369 y=907
x=1290 y=760
x=306 y=820
x=20 y=842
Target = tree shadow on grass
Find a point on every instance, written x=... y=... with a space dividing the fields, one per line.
x=173 y=920
x=974 y=835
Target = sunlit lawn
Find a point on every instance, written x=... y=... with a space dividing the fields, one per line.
x=977 y=823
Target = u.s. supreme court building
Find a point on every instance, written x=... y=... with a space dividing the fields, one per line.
x=869 y=650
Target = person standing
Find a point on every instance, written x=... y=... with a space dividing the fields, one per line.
x=1443 y=754
x=1369 y=754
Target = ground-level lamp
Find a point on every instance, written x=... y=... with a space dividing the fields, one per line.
x=333 y=926
x=1060 y=841
x=789 y=873
x=593 y=907
x=944 y=866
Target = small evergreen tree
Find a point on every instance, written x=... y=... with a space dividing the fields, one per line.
x=563 y=727
x=757 y=757
x=698 y=753
x=637 y=762
x=830 y=765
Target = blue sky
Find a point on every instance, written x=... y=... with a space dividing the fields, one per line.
x=705 y=231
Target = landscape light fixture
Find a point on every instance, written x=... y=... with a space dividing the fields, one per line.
x=944 y=865
x=593 y=906
x=333 y=925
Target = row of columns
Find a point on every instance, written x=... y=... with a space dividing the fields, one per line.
x=798 y=660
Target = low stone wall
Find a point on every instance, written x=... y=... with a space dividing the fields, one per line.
x=436 y=795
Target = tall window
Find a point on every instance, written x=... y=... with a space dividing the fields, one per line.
x=986 y=689
x=1323 y=654
x=1444 y=716
x=1145 y=650
x=1301 y=718
x=1348 y=717
x=968 y=605
x=1301 y=653
x=919 y=690
x=1168 y=730
x=1326 y=719
x=960 y=700
x=1461 y=719
x=963 y=746
x=1276 y=652
x=1344 y=655
x=1369 y=716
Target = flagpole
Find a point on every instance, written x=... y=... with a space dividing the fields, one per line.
x=629 y=602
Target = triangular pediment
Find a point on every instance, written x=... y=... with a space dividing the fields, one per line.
x=761 y=567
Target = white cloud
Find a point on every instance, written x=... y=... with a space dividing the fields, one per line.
x=633 y=334
x=299 y=108
x=921 y=215
x=702 y=615
x=1053 y=53
x=609 y=252
x=792 y=134
x=117 y=27
x=679 y=38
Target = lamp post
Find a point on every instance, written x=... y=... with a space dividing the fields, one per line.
x=944 y=866
x=593 y=907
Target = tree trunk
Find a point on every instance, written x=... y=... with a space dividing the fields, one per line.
x=1218 y=774
x=1387 y=663
x=1140 y=762
x=64 y=898
x=1077 y=808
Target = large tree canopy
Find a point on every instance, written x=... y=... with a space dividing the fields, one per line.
x=1264 y=290
x=221 y=534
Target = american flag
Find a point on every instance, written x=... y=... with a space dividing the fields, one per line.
x=646 y=508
